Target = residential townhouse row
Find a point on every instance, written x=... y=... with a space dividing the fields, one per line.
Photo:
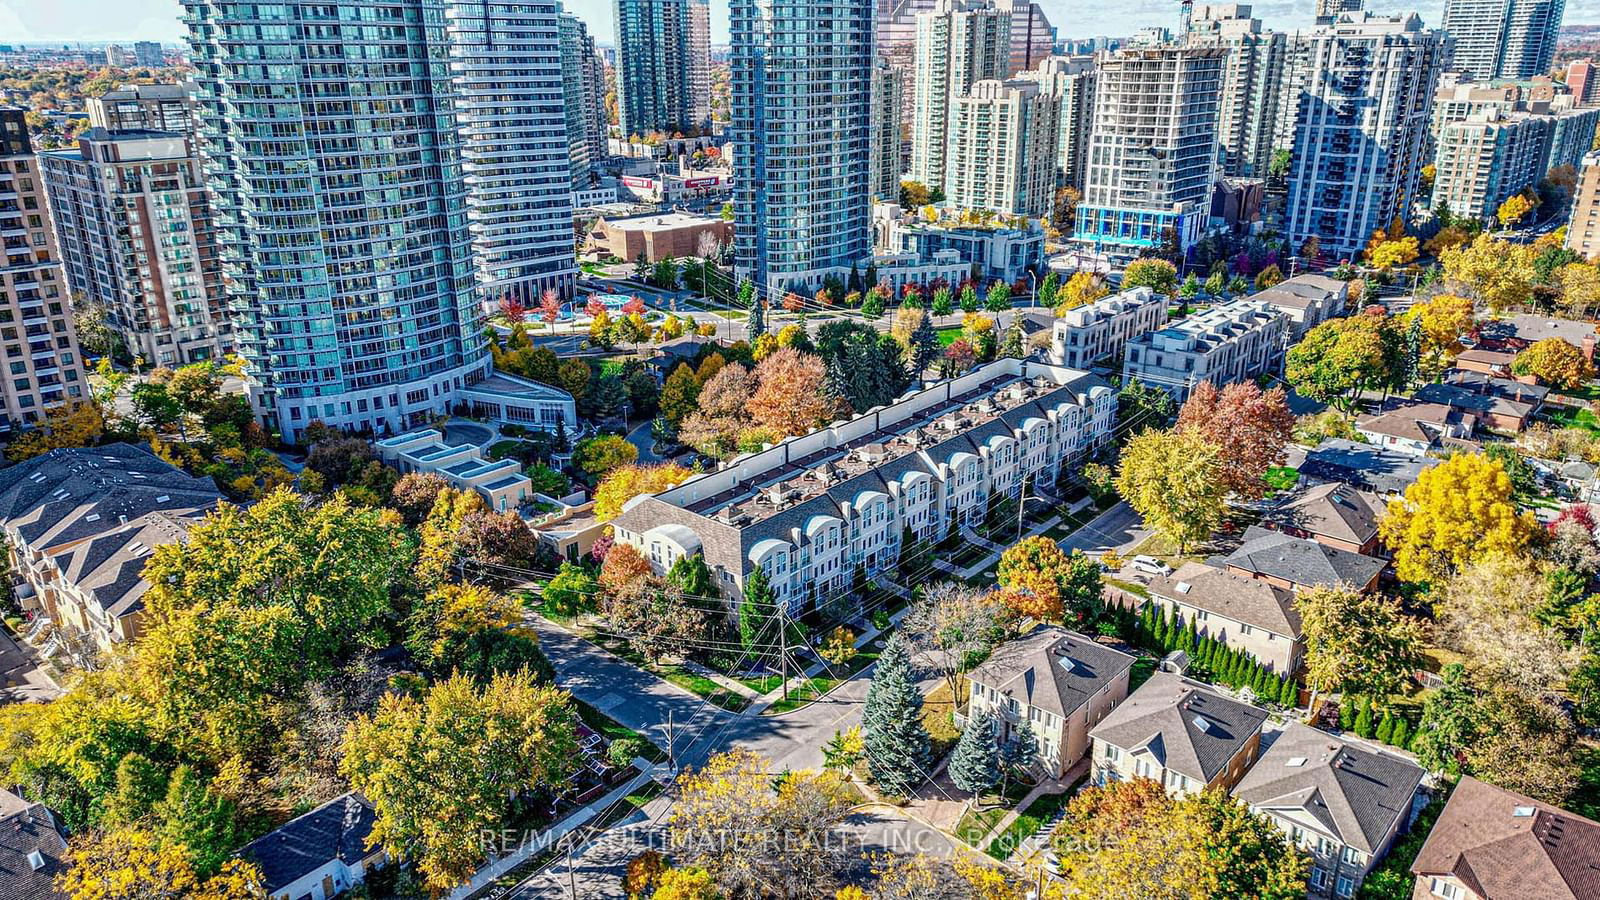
x=812 y=509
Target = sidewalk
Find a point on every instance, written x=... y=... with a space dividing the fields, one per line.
x=992 y=559
x=868 y=634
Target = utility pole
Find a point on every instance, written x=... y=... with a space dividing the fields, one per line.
x=572 y=878
x=672 y=744
x=783 y=650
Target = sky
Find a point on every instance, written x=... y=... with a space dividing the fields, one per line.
x=35 y=21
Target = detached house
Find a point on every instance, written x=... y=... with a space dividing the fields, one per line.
x=1178 y=732
x=1343 y=803
x=1244 y=613
x=320 y=854
x=1061 y=683
x=1296 y=563
x=33 y=850
x=1418 y=429
x=1492 y=844
x=1334 y=515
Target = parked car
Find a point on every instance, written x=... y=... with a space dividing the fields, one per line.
x=1149 y=565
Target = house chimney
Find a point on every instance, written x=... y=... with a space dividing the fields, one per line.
x=1588 y=347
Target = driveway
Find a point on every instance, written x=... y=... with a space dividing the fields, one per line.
x=1118 y=528
x=21 y=679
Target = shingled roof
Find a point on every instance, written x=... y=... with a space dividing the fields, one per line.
x=1052 y=669
x=1356 y=794
x=66 y=496
x=1334 y=510
x=1236 y=597
x=109 y=567
x=1189 y=728
x=27 y=829
x=1505 y=846
x=335 y=831
x=1299 y=561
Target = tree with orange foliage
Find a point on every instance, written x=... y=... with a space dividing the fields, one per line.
x=1042 y=581
x=549 y=306
x=512 y=310
x=1253 y=424
x=595 y=306
x=623 y=569
x=790 y=395
x=634 y=306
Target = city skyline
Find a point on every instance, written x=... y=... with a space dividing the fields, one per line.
x=28 y=22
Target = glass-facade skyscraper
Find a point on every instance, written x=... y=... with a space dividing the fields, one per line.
x=801 y=122
x=655 y=90
x=511 y=108
x=331 y=145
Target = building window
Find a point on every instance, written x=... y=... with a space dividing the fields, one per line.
x=1346 y=886
x=1319 y=878
x=1443 y=888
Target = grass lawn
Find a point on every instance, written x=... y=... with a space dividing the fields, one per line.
x=800 y=695
x=938 y=710
x=610 y=367
x=1568 y=417
x=503 y=449
x=1027 y=824
x=699 y=684
x=978 y=823
x=1165 y=549
x=812 y=688
x=1132 y=587
x=948 y=335
x=1143 y=668
x=1281 y=478
x=761 y=684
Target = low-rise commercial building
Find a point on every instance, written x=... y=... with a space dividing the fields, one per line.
x=81 y=524
x=1224 y=345
x=657 y=237
x=1343 y=803
x=1057 y=681
x=1307 y=300
x=510 y=400
x=1095 y=331
x=1180 y=733
x=500 y=483
x=1244 y=613
x=1004 y=250
x=816 y=508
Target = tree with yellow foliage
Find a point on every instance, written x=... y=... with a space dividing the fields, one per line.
x=1554 y=362
x=439 y=545
x=441 y=769
x=1514 y=210
x=70 y=425
x=1444 y=321
x=627 y=482
x=1044 y=582
x=1081 y=289
x=1175 y=481
x=1580 y=288
x=1398 y=252
x=1456 y=513
x=757 y=838
x=1499 y=273
x=130 y=864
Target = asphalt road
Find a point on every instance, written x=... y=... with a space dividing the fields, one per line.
x=1118 y=527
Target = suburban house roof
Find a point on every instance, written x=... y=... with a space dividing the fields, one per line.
x=1356 y=794
x=1052 y=669
x=1425 y=422
x=1301 y=291
x=1183 y=724
x=1364 y=465
x=67 y=496
x=1300 y=561
x=336 y=831
x=1531 y=328
x=1486 y=357
x=1334 y=510
x=1232 y=596
x=1503 y=845
x=31 y=850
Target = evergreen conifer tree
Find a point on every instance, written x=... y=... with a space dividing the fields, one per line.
x=1347 y=712
x=1363 y=723
x=1024 y=748
x=895 y=740
x=756 y=325
x=975 y=766
x=1291 y=693
x=1385 y=730
x=1401 y=736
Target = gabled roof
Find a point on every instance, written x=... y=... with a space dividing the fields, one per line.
x=1505 y=846
x=1232 y=596
x=1334 y=510
x=67 y=496
x=1052 y=668
x=335 y=831
x=1189 y=728
x=1300 y=561
x=1425 y=422
x=29 y=828
x=1357 y=794
x=108 y=568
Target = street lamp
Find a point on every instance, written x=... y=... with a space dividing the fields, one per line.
x=1033 y=281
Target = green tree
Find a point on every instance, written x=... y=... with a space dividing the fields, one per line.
x=679 y=393
x=897 y=748
x=1175 y=482
x=1156 y=274
x=969 y=299
x=572 y=590
x=1449 y=723
x=198 y=818
x=1048 y=289
x=757 y=611
x=598 y=455
x=941 y=302
x=975 y=766
x=999 y=298
x=441 y=769
x=1339 y=359
x=1355 y=642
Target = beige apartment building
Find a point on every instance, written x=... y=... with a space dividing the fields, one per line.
x=43 y=365
x=1583 y=228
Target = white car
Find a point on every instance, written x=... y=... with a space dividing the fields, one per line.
x=1149 y=565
